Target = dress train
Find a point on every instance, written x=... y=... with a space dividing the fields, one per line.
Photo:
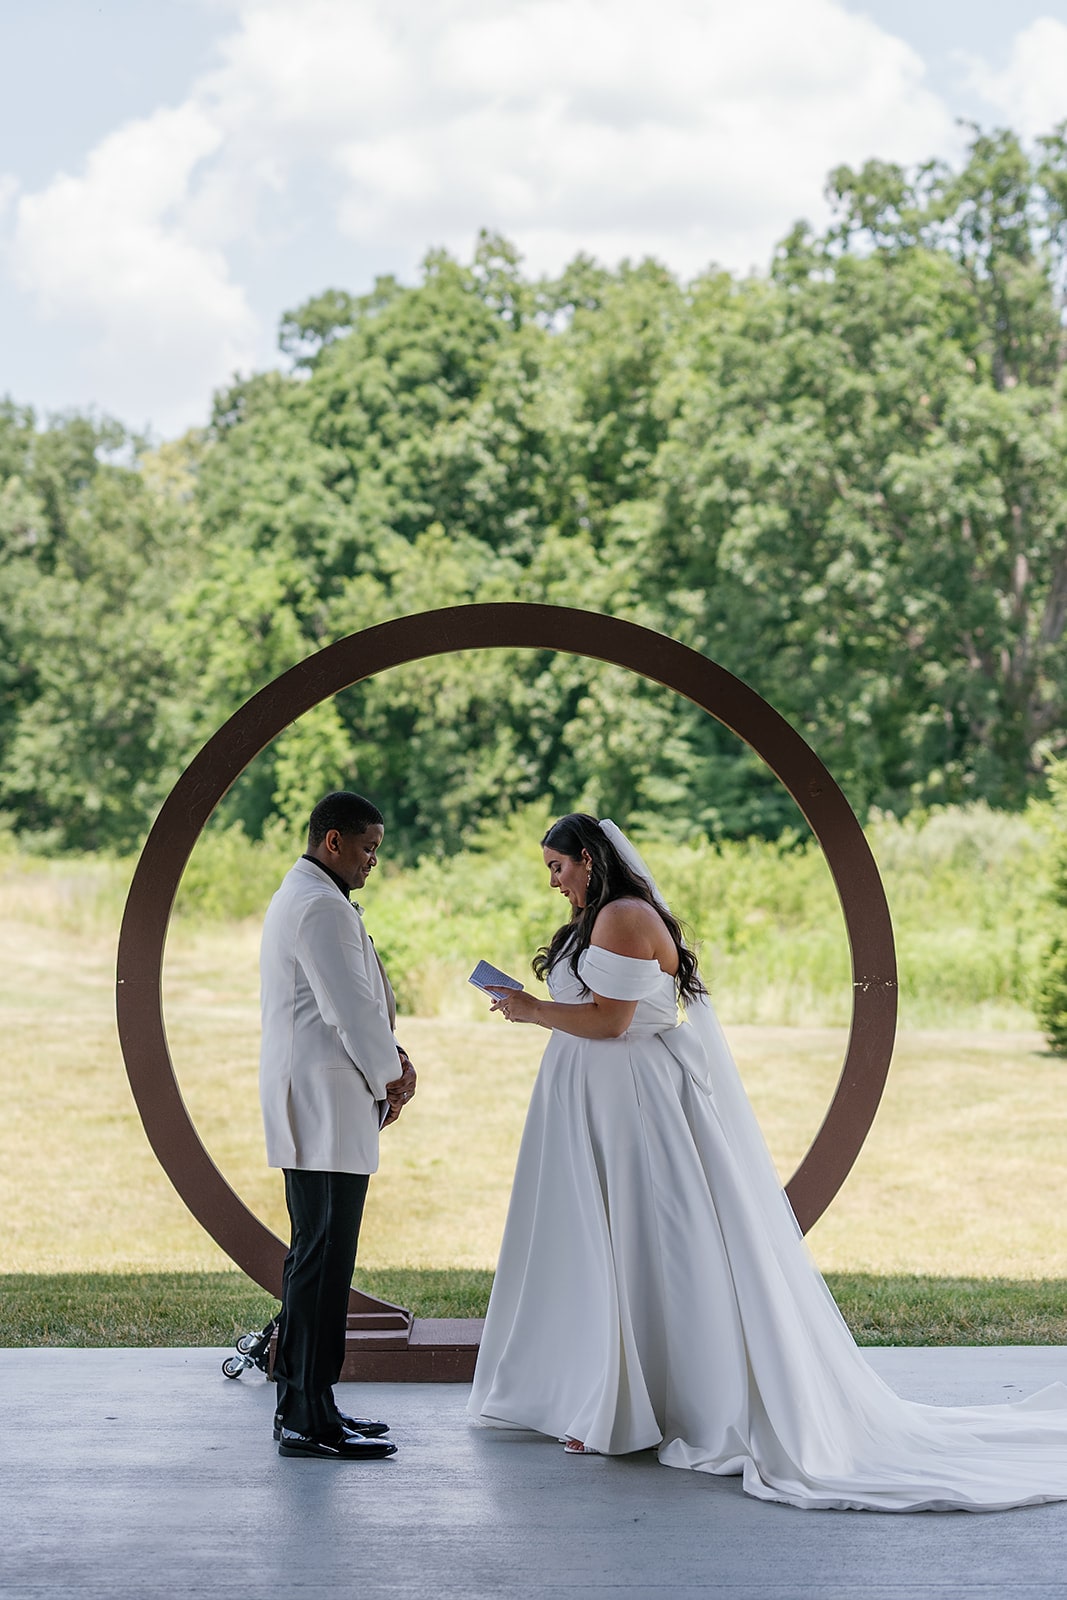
x=654 y=1290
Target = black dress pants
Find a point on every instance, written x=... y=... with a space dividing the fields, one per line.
x=325 y=1211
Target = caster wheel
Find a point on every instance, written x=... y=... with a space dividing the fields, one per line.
x=247 y=1342
x=233 y=1366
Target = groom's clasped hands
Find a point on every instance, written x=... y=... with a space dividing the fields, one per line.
x=400 y=1091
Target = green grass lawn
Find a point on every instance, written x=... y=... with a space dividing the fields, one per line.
x=213 y=1308
x=193 y=1308
x=951 y=1227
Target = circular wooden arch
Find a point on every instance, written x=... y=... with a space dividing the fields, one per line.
x=142 y=939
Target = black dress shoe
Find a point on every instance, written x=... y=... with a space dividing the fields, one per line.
x=369 y=1430
x=342 y=1446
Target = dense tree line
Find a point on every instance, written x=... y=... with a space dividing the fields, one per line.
x=846 y=481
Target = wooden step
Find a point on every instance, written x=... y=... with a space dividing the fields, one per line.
x=439 y=1350
x=397 y=1348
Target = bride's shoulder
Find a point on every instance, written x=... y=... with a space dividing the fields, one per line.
x=629 y=927
x=626 y=905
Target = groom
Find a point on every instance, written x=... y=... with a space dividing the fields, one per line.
x=328 y=1081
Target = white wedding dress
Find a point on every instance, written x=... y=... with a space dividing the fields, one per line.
x=654 y=1291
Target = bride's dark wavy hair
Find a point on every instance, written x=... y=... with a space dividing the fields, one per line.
x=610 y=879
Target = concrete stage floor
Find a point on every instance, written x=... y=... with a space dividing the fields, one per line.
x=144 y=1473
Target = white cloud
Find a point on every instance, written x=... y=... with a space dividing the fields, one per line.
x=693 y=130
x=111 y=251
x=1031 y=91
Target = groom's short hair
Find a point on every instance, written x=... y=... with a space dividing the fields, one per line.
x=345 y=811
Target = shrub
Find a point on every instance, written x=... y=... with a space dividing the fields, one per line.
x=1051 y=999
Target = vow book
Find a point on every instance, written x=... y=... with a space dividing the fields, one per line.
x=488 y=977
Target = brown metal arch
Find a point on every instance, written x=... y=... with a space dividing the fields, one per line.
x=142 y=938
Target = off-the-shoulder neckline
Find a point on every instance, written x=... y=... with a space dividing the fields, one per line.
x=638 y=961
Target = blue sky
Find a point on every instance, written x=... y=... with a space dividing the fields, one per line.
x=174 y=175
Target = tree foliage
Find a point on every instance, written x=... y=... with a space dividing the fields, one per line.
x=845 y=481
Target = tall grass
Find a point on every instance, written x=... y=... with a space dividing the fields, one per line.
x=968 y=890
x=961 y=1174
x=72 y=893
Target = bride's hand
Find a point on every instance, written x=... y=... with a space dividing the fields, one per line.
x=515 y=1004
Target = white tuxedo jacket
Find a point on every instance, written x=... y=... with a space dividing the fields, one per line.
x=328 y=1048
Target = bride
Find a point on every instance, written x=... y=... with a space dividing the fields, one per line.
x=654 y=1290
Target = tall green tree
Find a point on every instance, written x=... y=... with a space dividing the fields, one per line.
x=94 y=547
x=844 y=480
